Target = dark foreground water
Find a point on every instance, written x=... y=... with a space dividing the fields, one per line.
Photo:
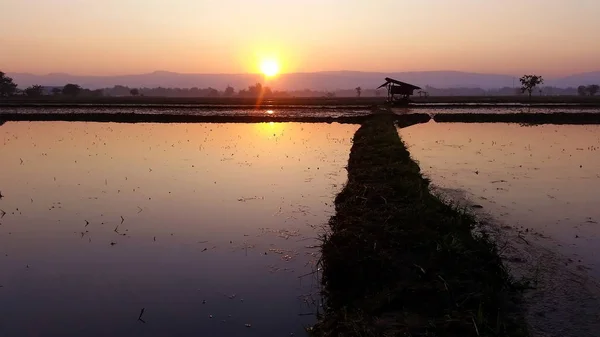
x=211 y=229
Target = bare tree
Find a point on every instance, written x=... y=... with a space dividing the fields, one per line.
x=358 y=91
x=582 y=90
x=593 y=89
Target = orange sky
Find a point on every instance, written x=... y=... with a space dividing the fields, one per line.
x=553 y=37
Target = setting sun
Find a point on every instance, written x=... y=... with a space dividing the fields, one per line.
x=269 y=67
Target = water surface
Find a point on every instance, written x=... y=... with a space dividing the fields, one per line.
x=542 y=178
x=208 y=227
x=290 y=111
x=274 y=112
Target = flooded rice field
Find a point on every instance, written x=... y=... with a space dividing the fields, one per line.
x=164 y=230
x=225 y=110
x=433 y=110
x=540 y=179
x=289 y=111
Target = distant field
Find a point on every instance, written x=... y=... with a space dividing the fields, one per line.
x=510 y=99
x=204 y=101
x=298 y=101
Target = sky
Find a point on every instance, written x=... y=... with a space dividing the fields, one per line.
x=111 y=37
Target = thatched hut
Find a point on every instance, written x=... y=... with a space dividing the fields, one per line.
x=398 y=91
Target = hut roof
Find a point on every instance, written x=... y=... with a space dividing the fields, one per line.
x=400 y=83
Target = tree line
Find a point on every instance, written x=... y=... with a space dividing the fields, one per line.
x=590 y=90
x=530 y=84
x=9 y=88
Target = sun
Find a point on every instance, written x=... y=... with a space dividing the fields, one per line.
x=269 y=67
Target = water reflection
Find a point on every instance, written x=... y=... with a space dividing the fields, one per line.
x=206 y=227
x=300 y=111
x=545 y=178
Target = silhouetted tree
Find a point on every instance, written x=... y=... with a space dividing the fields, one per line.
x=134 y=92
x=212 y=92
x=71 y=90
x=229 y=91
x=56 y=91
x=97 y=93
x=267 y=92
x=91 y=93
x=7 y=86
x=593 y=89
x=255 y=91
x=34 y=91
x=582 y=90
x=120 y=90
x=529 y=82
x=277 y=93
x=358 y=91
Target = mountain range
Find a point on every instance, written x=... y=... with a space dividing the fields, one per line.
x=327 y=80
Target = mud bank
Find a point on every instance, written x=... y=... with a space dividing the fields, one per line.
x=172 y=118
x=398 y=261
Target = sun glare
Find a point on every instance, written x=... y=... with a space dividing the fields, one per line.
x=269 y=67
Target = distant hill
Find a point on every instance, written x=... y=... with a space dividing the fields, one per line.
x=576 y=80
x=329 y=80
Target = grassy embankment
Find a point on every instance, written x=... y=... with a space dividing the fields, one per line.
x=141 y=117
x=400 y=262
x=184 y=118
x=105 y=117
